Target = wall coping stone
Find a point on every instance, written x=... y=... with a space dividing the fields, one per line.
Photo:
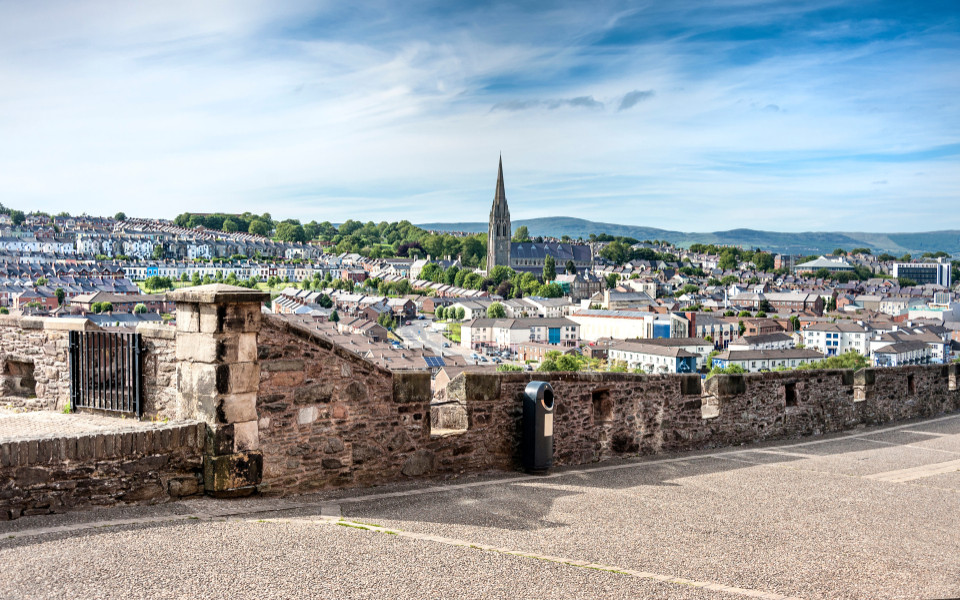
x=157 y=331
x=48 y=323
x=215 y=293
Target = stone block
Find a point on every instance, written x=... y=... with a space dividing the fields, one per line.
x=419 y=463
x=236 y=408
x=188 y=317
x=234 y=317
x=275 y=366
x=865 y=377
x=196 y=380
x=411 y=387
x=246 y=436
x=232 y=475
x=197 y=347
x=690 y=385
x=307 y=415
x=238 y=378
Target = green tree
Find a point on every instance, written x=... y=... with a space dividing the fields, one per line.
x=566 y=362
x=158 y=252
x=386 y=320
x=325 y=301
x=106 y=307
x=334 y=317
x=521 y=234
x=839 y=252
x=259 y=227
x=139 y=308
x=460 y=313
x=229 y=225
x=438 y=313
x=496 y=311
x=728 y=260
x=550 y=290
x=291 y=232
x=548 y=365
x=17 y=217
x=571 y=267
x=612 y=280
x=195 y=280
x=120 y=216
x=906 y=282
x=505 y=368
x=549 y=269
x=763 y=261
x=61 y=295
x=40 y=281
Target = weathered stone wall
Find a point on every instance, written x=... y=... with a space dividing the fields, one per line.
x=47 y=475
x=160 y=397
x=329 y=418
x=41 y=345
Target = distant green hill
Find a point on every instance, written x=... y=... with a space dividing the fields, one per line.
x=809 y=242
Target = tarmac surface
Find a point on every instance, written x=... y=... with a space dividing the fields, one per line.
x=870 y=514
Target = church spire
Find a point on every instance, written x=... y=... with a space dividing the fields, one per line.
x=501 y=195
x=498 y=236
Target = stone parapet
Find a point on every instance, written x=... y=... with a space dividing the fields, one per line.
x=49 y=475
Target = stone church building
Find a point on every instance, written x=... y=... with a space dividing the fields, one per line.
x=526 y=256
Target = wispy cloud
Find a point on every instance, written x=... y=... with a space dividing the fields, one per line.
x=635 y=97
x=553 y=104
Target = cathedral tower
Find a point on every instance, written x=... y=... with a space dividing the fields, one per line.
x=498 y=236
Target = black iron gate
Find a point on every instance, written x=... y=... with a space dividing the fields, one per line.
x=106 y=371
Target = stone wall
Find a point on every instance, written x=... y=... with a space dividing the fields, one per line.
x=328 y=418
x=33 y=353
x=48 y=475
x=160 y=397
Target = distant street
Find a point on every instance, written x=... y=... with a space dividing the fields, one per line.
x=419 y=335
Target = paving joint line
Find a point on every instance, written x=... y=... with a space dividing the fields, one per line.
x=572 y=562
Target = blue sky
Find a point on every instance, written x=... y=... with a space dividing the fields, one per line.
x=693 y=116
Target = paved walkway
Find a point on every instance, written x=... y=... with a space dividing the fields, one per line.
x=872 y=514
x=16 y=425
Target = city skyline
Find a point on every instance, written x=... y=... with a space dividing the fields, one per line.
x=741 y=114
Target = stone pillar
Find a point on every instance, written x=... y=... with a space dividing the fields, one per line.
x=218 y=376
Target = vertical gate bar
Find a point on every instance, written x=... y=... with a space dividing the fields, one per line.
x=83 y=368
x=95 y=377
x=123 y=371
x=88 y=374
x=113 y=371
x=126 y=372
x=72 y=363
x=114 y=395
x=102 y=375
x=139 y=379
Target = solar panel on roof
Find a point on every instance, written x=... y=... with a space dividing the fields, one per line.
x=434 y=361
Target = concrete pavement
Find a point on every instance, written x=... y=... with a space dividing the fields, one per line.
x=869 y=514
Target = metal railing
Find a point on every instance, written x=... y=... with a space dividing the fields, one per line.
x=106 y=371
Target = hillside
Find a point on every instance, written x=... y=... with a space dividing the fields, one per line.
x=808 y=242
